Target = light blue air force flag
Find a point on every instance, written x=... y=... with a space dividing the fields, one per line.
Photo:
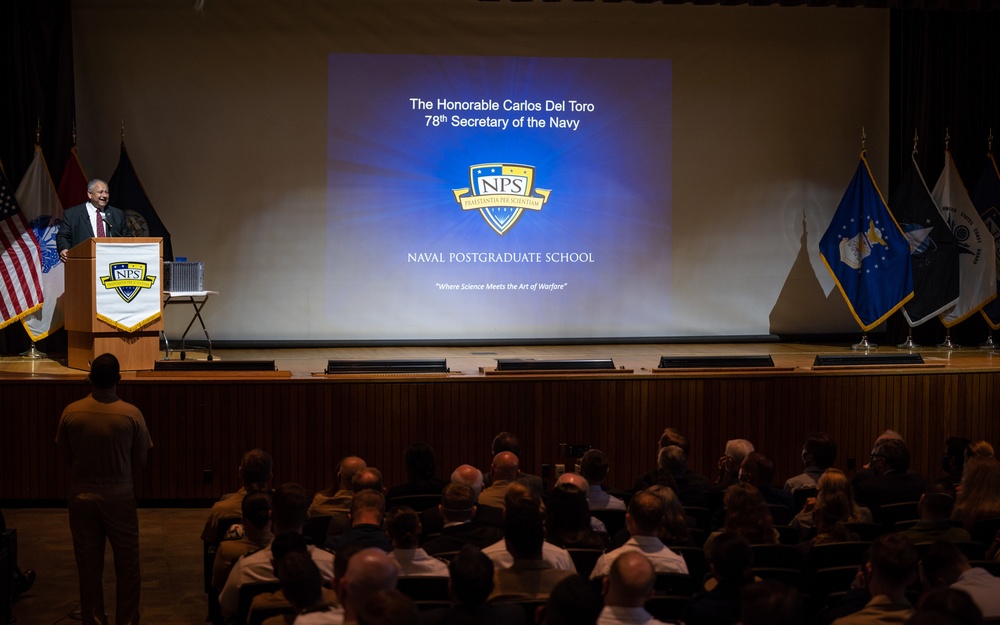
x=866 y=252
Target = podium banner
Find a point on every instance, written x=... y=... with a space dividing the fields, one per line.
x=125 y=279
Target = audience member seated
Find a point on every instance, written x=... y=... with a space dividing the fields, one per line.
x=731 y=565
x=594 y=468
x=255 y=474
x=471 y=477
x=833 y=481
x=953 y=459
x=458 y=511
x=729 y=464
x=367 y=514
x=257 y=535
x=627 y=587
x=420 y=471
x=891 y=568
x=890 y=482
x=21 y=581
x=388 y=607
x=675 y=530
x=979 y=449
x=758 y=469
x=403 y=526
x=644 y=521
x=521 y=494
x=980 y=495
x=572 y=602
x=935 y=509
x=369 y=571
x=529 y=577
x=505 y=441
x=470 y=584
x=747 y=514
x=569 y=521
x=692 y=488
x=831 y=513
x=336 y=500
x=503 y=473
x=269 y=601
x=577 y=480
x=661 y=475
x=289 y=509
x=302 y=587
x=944 y=565
x=819 y=452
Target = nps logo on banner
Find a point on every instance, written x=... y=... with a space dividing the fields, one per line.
x=128 y=278
x=501 y=192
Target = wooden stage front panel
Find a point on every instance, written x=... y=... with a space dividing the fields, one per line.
x=201 y=427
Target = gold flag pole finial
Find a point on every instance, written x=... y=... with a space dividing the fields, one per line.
x=864 y=137
x=947 y=138
x=38 y=131
x=915 y=139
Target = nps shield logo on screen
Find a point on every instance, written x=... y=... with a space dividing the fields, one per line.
x=501 y=192
x=128 y=278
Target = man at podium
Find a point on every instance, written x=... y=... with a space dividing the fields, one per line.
x=90 y=219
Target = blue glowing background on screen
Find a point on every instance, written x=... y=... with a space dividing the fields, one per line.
x=587 y=149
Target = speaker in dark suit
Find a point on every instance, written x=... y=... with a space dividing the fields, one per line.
x=78 y=225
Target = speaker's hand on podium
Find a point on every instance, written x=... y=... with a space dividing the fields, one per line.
x=63 y=254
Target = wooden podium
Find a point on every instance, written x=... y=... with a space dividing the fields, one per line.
x=89 y=337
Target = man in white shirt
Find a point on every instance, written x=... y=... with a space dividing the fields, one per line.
x=945 y=565
x=626 y=590
x=643 y=520
x=559 y=558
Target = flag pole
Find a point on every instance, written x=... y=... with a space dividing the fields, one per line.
x=864 y=343
x=988 y=345
x=33 y=353
x=909 y=344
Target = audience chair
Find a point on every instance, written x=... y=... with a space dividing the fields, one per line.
x=829 y=555
x=614 y=520
x=972 y=550
x=584 y=559
x=775 y=556
x=424 y=587
x=826 y=583
x=419 y=503
x=250 y=590
x=866 y=531
x=668 y=608
x=315 y=530
x=702 y=516
x=694 y=557
x=890 y=514
x=780 y=515
x=676 y=584
x=787 y=576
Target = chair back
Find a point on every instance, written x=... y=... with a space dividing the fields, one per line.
x=418 y=503
x=829 y=555
x=775 y=556
x=584 y=559
x=315 y=530
x=787 y=576
x=892 y=513
x=248 y=591
x=614 y=520
x=424 y=587
x=694 y=557
x=866 y=531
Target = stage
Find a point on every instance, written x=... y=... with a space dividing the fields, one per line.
x=202 y=421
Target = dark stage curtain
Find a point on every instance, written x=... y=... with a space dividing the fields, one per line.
x=945 y=73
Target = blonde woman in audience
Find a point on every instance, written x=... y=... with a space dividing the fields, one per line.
x=979 y=497
x=832 y=481
x=674 y=531
x=979 y=449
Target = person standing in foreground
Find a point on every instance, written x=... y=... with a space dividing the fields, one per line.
x=104 y=440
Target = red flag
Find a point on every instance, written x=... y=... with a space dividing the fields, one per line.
x=73 y=184
x=20 y=260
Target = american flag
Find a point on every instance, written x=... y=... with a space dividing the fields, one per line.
x=20 y=260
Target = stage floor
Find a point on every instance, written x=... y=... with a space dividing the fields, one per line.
x=473 y=361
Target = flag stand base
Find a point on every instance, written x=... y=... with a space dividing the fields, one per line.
x=908 y=343
x=32 y=353
x=989 y=344
x=947 y=344
x=864 y=344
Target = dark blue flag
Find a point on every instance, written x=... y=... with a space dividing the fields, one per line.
x=866 y=252
x=933 y=248
x=127 y=194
